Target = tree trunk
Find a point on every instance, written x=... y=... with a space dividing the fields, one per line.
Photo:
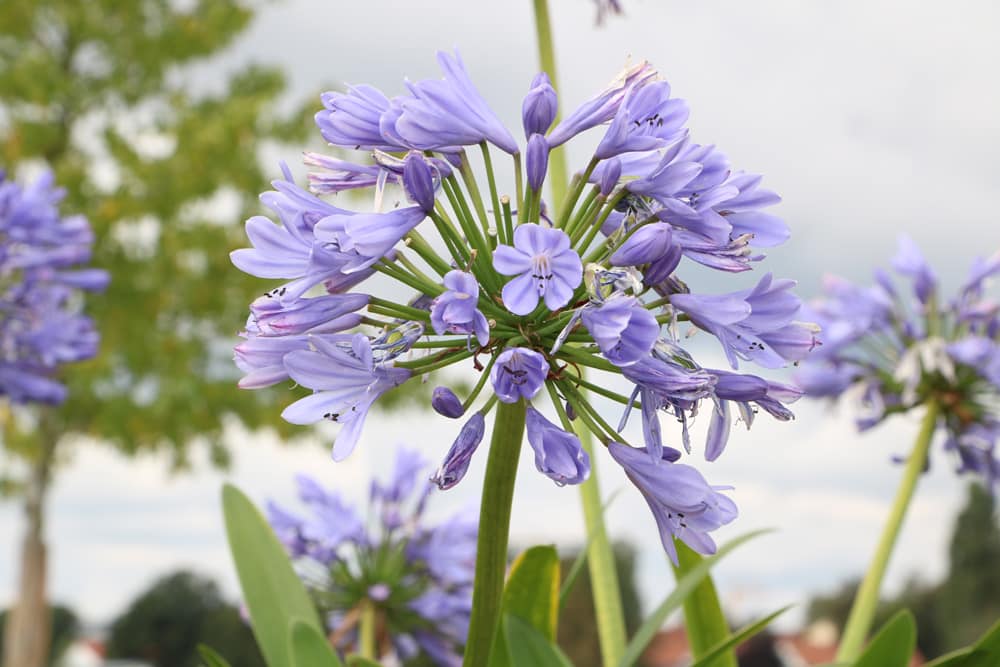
x=26 y=635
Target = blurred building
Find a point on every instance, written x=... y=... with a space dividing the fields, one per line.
x=816 y=645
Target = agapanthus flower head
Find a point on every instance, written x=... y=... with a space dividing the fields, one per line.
x=41 y=323
x=417 y=573
x=526 y=292
x=895 y=349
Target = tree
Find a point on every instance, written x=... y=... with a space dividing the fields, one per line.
x=955 y=612
x=99 y=91
x=165 y=624
x=969 y=599
x=577 y=622
x=65 y=627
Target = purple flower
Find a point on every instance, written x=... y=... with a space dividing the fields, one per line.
x=42 y=325
x=623 y=329
x=910 y=262
x=427 y=588
x=604 y=106
x=418 y=180
x=536 y=161
x=262 y=358
x=455 y=311
x=446 y=403
x=546 y=267
x=291 y=250
x=347 y=381
x=646 y=120
x=745 y=391
x=322 y=314
x=509 y=269
x=663 y=384
x=893 y=350
x=558 y=453
x=450 y=112
x=649 y=243
x=365 y=238
x=518 y=372
x=540 y=106
x=338 y=175
x=353 y=119
x=456 y=461
x=756 y=324
x=684 y=505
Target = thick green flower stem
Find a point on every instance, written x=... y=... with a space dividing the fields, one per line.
x=863 y=611
x=601 y=562
x=366 y=630
x=494 y=526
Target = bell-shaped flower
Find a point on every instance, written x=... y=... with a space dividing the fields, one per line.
x=623 y=329
x=558 y=453
x=536 y=161
x=647 y=244
x=456 y=461
x=456 y=311
x=546 y=267
x=517 y=373
x=353 y=119
x=756 y=324
x=910 y=262
x=646 y=120
x=321 y=314
x=365 y=238
x=684 y=505
x=446 y=403
x=540 y=106
x=602 y=107
x=450 y=112
x=346 y=381
x=291 y=251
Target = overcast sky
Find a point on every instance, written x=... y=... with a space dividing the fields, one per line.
x=870 y=119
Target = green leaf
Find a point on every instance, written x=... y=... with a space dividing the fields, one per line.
x=527 y=646
x=893 y=645
x=532 y=590
x=704 y=621
x=738 y=638
x=272 y=591
x=685 y=585
x=210 y=657
x=984 y=653
x=531 y=594
x=310 y=648
x=358 y=661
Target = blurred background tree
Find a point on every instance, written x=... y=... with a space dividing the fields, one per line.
x=65 y=626
x=577 y=622
x=958 y=610
x=101 y=91
x=164 y=625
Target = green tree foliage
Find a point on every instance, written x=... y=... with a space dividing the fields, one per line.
x=165 y=624
x=970 y=596
x=101 y=91
x=955 y=612
x=65 y=628
x=577 y=634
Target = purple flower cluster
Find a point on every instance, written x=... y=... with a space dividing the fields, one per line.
x=417 y=574
x=528 y=292
x=41 y=325
x=894 y=347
